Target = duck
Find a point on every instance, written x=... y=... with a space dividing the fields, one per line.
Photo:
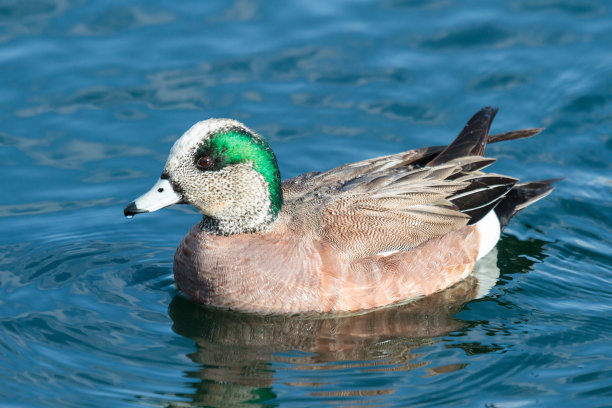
x=360 y=236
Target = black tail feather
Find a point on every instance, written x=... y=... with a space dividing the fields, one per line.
x=472 y=139
x=489 y=191
x=513 y=135
x=434 y=151
x=520 y=196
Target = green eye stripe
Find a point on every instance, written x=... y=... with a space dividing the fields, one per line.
x=237 y=146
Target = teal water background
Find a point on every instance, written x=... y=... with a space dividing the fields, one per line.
x=92 y=96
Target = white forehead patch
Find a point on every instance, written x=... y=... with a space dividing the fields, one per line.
x=188 y=143
x=195 y=134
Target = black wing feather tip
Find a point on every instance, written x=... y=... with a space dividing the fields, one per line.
x=482 y=195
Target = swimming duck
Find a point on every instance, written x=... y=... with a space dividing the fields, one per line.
x=359 y=236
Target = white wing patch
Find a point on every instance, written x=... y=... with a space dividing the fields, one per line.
x=387 y=253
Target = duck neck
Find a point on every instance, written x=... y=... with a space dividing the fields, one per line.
x=255 y=207
x=258 y=223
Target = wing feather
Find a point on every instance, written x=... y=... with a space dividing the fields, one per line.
x=400 y=201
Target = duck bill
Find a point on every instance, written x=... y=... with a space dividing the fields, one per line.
x=161 y=195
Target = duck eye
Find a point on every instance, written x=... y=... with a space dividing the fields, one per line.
x=205 y=162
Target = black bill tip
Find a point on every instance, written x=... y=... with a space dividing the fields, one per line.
x=132 y=210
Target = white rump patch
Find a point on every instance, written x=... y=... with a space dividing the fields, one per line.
x=490 y=231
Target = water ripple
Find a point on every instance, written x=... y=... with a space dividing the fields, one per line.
x=95 y=93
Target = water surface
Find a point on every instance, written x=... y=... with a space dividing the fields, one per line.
x=92 y=96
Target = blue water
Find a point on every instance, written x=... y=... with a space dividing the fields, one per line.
x=92 y=96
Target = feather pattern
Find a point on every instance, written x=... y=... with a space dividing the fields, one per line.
x=364 y=234
x=393 y=204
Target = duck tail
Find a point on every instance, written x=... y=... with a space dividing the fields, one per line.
x=472 y=139
x=513 y=135
x=489 y=191
x=475 y=136
x=521 y=196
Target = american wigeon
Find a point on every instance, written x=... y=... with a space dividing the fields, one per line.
x=359 y=236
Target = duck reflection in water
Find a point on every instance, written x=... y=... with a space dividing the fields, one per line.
x=237 y=351
x=239 y=356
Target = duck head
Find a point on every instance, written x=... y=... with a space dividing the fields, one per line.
x=225 y=170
